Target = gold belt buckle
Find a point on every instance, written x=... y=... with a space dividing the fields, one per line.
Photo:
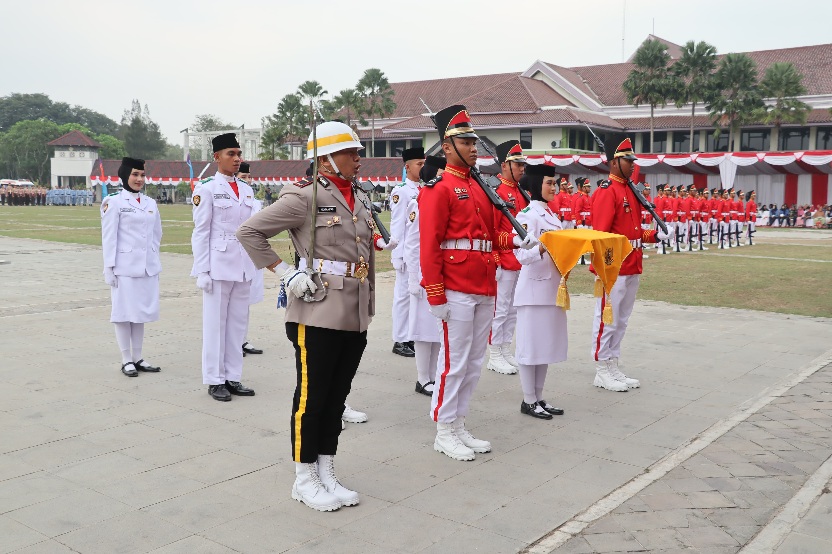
x=362 y=269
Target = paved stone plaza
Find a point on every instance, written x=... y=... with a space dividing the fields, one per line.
x=733 y=422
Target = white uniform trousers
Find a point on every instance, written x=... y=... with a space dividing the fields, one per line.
x=606 y=338
x=461 y=354
x=224 y=324
x=401 y=306
x=505 y=314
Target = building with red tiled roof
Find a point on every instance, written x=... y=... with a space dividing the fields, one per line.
x=73 y=139
x=547 y=105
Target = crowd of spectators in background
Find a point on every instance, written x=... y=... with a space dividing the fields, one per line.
x=817 y=217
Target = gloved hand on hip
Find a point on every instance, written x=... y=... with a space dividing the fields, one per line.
x=204 y=281
x=296 y=281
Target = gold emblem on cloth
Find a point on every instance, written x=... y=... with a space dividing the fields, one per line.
x=608 y=257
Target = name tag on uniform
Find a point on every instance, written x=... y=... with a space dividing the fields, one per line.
x=224 y=195
x=326 y=209
x=127 y=210
x=461 y=193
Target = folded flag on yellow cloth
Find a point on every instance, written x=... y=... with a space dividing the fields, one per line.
x=608 y=252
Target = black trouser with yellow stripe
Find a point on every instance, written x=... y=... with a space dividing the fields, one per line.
x=326 y=361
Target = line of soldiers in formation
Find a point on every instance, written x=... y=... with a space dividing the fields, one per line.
x=12 y=195
x=469 y=272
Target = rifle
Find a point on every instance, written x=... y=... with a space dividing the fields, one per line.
x=636 y=191
x=493 y=197
x=374 y=210
x=310 y=255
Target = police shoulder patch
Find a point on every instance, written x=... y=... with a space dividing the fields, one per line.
x=412 y=216
x=196 y=200
x=433 y=181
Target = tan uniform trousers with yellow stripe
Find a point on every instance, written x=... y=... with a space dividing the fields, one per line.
x=326 y=361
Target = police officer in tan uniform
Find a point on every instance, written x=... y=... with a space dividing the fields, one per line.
x=329 y=307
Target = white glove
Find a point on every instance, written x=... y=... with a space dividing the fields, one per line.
x=499 y=272
x=204 y=281
x=441 y=311
x=110 y=277
x=527 y=243
x=661 y=235
x=413 y=286
x=298 y=282
x=387 y=245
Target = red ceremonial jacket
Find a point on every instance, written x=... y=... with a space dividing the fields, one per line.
x=564 y=202
x=671 y=206
x=684 y=209
x=696 y=205
x=751 y=211
x=713 y=207
x=724 y=210
x=646 y=218
x=508 y=192
x=740 y=209
x=582 y=209
x=616 y=210
x=456 y=208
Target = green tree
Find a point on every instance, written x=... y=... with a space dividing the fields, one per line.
x=141 y=134
x=111 y=147
x=350 y=103
x=311 y=90
x=651 y=82
x=210 y=122
x=696 y=70
x=23 y=150
x=375 y=90
x=271 y=142
x=781 y=84
x=30 y=107
x=739 y=97
x=173 y=152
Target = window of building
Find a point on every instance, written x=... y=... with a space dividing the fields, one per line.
x=794 y=139
x=379 y=148
x=526 y=139
x=397 y=147
x=416 y=143
x=717 y=144
x=824 y=141
x=681 y=142
x=755 y=140
x=659 y=141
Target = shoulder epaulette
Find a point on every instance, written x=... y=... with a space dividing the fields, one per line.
x=112 y=194
x=433 y=181
x=604 y=185
x=305 y=182
x=205 y=180
x=527 y=208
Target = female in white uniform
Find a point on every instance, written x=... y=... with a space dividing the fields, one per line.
x=423 y=328
x=541 y=325
x=131 y=234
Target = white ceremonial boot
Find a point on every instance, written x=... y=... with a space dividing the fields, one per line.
x=604 y=378
x=496 y=361
x=616 y=372
x=326 y=470
x=353 y=416
x=449 y=444
x=309 y=489
x=475 y=444
x=505 y=350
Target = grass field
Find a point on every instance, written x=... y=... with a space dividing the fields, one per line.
x=786 y=271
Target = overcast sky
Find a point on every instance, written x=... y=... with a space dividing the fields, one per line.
x=236 y=59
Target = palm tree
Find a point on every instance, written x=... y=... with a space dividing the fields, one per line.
x=349 y=101
x=696 y=69
x=651 y=81
x=738 y=98
x=375 y=90
x=781 y=84
x=311 y=90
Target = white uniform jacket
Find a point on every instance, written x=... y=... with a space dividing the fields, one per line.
x=131 y=233
x=400 y=197
x=539 y=278
x=218 y=212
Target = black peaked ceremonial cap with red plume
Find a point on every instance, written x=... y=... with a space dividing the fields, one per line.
x=510 y=151
x=454 y=121
x=436 y=161
x=619 y=145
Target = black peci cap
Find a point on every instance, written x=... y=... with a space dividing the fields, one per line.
x=227 y=140
x=541 y=170
x=245 y=168
x=413 y=154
